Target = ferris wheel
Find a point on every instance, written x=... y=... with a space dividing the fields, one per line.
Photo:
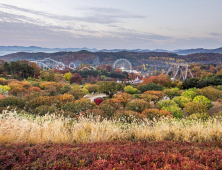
x=123 y=64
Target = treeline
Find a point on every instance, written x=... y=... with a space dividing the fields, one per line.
x=19 y=69
x=95 y=73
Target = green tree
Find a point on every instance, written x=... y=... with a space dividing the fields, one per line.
x=130 y=90
x=181 y=101
x=138 y=105
x=195 y=107
x=109 y=88
x=189 y=94
x=205 y=101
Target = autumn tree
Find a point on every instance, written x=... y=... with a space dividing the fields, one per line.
x=138 y=105
x=68 y=76
x=130 y=89
x=109 y=88
x=76 y=79
x=124 y=98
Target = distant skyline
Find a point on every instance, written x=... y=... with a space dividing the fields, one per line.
x=122 y=24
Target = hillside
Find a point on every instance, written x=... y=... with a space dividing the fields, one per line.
x=136 y=58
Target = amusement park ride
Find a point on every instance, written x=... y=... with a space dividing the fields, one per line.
x=122 y=64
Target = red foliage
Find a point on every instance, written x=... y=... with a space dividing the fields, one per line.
x=112 y=155
x=162 y=79
x=98 y=101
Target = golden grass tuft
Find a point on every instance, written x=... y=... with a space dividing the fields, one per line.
x=16 y=128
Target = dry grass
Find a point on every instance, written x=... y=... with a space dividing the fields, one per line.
x=54 y=129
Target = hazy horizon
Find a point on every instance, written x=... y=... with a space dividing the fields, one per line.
x=125 y=24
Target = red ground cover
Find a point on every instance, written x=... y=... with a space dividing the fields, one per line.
x=118 y=155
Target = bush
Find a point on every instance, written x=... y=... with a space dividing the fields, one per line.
x=46 y=85
x=155 y=113
x=130 y=90
x=98 y=101
x=127 y=116
x=124 y=98
x=107 y=110
x=44 y=109
x=78 y=106
x=171 y=93
x=12 y=101
x=65 y=98
x=34 y=89
x=39 y=101
x=181 y=101
x=202 y=116
x=138 y=105
x=150 y=87
x=210 y=92
x=158 y=94
x=65 y=89
x=166 y=103
x=149 y=97
x=189 y=94
x=195 y=107
x=18 y=91
x=175 y=111
x=4 y=89
x=78 y=94
x=92 y=88
x=203 y=100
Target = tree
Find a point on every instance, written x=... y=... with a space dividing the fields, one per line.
x=195 y=107
x=189 y=94
x=158 y=94
x=138 y=105
x=166 y=103
x=150 y=86
x=76 y=79
x=171 y=93
x=77 y=93
x=205 y=101
x=68 y=76
x=181 y=101
x=92 y=88
x=155 y=113
x=109 y=88
x=124 y=98
x=174 y=110
x=130 y=90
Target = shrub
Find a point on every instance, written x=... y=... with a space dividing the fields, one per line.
x=46 y=85
x=44 y=109
x=39 y=101
x=210 y=92
x=171 y=93
x=3 y=81
x=124 y=98
x=149 y=97
x=65 y=89
x=174 y=110
x=155 y=113
x=92 y=88
x=195 y=107
x=4 y=89
x=85 y=91
x=166 y=103
x=14 y=85
x=78 y=94
x=34 y=89
x=138 y=105
x=115 y=103
x=12 y=101
x=107 y=110
x=181 y=101
x=98 y=101
x=79 y=106
x=202 y=116
x=63 y=99
x=203 y=100
x=127 y=116
x=51 y=90
x=130 y=90
x=150 y=86
x=18 y=91
x=189 y=94
x=158 y=94
x=1 y=96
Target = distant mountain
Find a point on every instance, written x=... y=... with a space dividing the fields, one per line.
x=4 y=50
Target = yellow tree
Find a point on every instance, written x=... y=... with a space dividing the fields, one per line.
x=68 y=76
x=123 y=98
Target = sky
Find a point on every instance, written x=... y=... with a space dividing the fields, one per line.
x=114 y=24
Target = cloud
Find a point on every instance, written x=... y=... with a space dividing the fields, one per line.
x=215 y=34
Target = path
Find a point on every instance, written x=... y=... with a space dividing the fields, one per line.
x=96 y=96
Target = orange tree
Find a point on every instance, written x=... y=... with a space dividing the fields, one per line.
x=123 y=98
x=158 y=94
x=162 y=79
x=115 y=103
x=155 y=113
x=195 y=107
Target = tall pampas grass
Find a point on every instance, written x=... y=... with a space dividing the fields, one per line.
x=16 y=128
